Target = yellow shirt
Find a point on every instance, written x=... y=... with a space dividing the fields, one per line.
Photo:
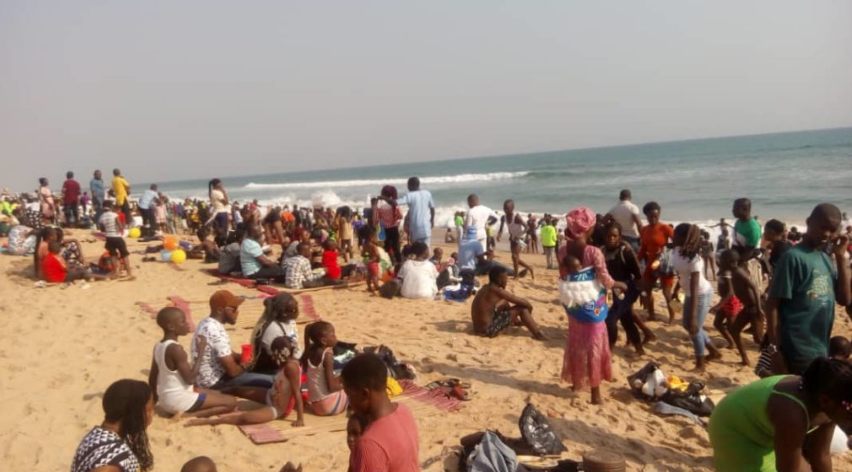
x=119 y=187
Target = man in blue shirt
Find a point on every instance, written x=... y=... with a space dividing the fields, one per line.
x=146 y=206
x=421 y=211
x=98 y=195
x=254 y=263
x=472 y=256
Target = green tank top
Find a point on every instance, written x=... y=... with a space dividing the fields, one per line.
x=741 y=433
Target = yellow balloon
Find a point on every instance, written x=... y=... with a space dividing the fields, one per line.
x=135 y=233
x=178 y=256
x=171 y=243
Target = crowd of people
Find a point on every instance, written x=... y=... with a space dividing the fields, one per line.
x=778 y=285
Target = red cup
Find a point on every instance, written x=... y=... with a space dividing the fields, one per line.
x=248 y=350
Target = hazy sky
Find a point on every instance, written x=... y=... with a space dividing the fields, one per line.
x=171 y=90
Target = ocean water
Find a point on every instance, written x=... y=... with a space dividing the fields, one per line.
x=784 y=175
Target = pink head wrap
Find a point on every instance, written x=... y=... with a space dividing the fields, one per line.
x=580 y=220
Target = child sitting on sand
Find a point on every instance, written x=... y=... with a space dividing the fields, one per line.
x=743 y=289
x=330 y=261
x=325 y=392
x=437 y=258
x=55 y=270
x=172 y=377
x=284 y=396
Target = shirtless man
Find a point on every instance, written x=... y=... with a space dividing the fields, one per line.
x=494 y=308
x=517 y=230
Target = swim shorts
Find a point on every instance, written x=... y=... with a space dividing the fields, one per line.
x=117 y=247
x=500 y=320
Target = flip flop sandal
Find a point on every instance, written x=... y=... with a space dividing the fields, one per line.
x=459 y=393
x=453 y=382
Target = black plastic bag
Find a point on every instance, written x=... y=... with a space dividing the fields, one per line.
x=690 y=400
x=537 y=432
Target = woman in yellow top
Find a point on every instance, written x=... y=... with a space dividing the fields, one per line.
x=784 y=423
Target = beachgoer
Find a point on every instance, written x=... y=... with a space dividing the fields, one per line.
x=419 y=275
x=627 y=215
x=371 y=257
x=775 y=235
x=391 y=442
x=279 y=399
x=253 y=261
x=147 y=205
x=297 y=269
x=96 y=185
x=477 y=217
x=47 y=206
x=783 y=423
x=55 y=270
x=458 y=222
x=219 y=203
x=724 y=241
x=587 y=359
x=220 y=367
x=325 y=391
x=740 y=303
x=278 y=319
x=623 y=266
x=532 y=234
x=120 y=443
x=746 y=228
x=355 y=429
x=449 y=238
x=172 y=376
x=805 y=287
x=548 y=241
x=686 y=261
x=654 y=238
x=344 y=233
x=421 y=211
x=517 y=229
x=71 y=200
x=111 y=225
x=494 y=308
x=121 y=190
x=708 y=255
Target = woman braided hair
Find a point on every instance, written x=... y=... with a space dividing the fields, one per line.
x=691 y=235
x=275 y=309
x=125 y=402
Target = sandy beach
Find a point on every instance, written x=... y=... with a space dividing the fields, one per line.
x=64 y=346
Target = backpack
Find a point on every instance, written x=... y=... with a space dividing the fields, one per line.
x=537 y=432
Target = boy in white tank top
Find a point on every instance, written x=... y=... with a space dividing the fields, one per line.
x=172 y=377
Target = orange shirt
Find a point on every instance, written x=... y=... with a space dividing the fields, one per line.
x=653 y=239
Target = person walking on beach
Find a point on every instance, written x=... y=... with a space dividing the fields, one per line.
x=655 y=237
x=421 y=211
x=477 y=217
x=96 y=185
x=517 y=229
x=121 y=189
x=388 y=216
x=805 y=288
x=70 y=200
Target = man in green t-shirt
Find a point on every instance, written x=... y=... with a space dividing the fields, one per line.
x=548 y=241
x=800 y=309
x=746 y=229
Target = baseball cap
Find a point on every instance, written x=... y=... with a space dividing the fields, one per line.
x=224 y=299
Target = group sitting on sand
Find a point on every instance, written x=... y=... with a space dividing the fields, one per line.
x=779 y=289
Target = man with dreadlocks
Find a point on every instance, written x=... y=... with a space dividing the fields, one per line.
x=687 y=262
x=278 y=319
x=120 y=443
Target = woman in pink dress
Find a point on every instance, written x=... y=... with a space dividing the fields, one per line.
x=587 y=358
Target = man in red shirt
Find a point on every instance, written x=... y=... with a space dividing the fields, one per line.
x=70 y=199
x=390 y=443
